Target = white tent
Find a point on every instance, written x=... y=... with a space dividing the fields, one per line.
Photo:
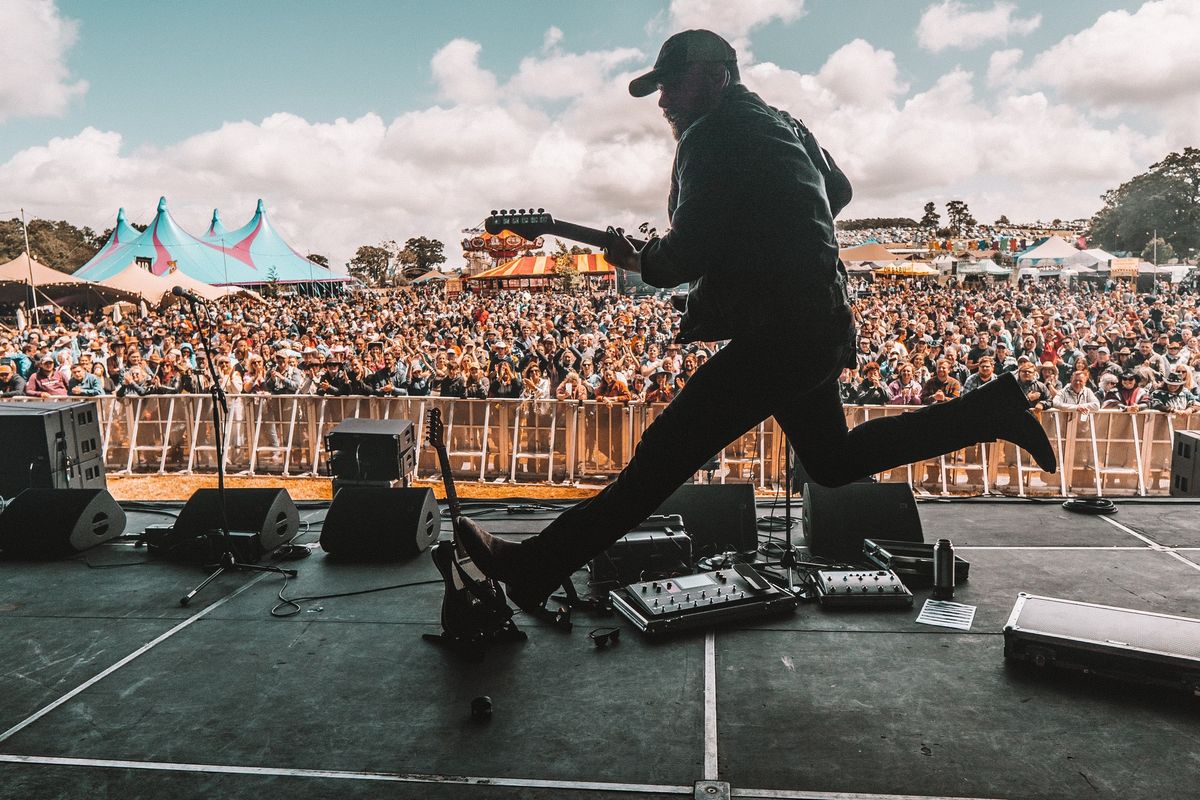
x=1092 y=259
x=1052 y=251
x=983 y=267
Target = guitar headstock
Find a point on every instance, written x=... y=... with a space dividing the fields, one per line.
x=436 y=429
x=526 y=222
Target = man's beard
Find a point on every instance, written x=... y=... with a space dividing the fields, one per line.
x=679 y=123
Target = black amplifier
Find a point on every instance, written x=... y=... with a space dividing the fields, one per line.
x=1120 y=643
x=659 y=547
x=911 y=561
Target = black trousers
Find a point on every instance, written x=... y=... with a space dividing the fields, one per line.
x=749 y=380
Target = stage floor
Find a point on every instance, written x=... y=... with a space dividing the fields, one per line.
x=108 y=688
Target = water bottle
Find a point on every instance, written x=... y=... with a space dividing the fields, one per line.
x=943 y=570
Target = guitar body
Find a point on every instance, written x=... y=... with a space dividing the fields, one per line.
x=475 y=610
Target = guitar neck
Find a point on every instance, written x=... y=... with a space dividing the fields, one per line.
x=581 y=233
x=448 y=482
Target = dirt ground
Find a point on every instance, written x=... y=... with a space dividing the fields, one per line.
x=181 y=487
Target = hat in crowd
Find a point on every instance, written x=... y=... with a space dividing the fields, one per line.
x=680 y=51
x=1124 y=351
x=661 y=373
x=46 y=359
x=1104 y=350
x=1175 y=379
x=1128 y=375
x=62 y=341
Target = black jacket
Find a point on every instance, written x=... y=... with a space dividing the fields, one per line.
x=751 y=224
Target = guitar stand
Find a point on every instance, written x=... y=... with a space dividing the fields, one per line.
x=474 y=647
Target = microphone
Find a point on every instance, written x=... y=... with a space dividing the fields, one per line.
x=179 y=291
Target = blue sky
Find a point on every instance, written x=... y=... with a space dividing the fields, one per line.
x=221 y=103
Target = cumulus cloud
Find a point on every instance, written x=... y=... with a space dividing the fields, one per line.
x=1002 y=66
x=952 y=24
x=459 y=77
x=561 y=132
x=35 y=80
x=1147 y=57
x=733 y=20
x=861 y=75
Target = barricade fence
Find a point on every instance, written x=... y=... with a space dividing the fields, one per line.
x=570 y=442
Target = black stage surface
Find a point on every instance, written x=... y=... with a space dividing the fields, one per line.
x=108 y=688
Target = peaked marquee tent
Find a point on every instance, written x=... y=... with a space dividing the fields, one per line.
x=872 y=251
x=1051 y=251
x=252 y=255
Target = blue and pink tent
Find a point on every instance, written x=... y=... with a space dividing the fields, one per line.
x=252 y=255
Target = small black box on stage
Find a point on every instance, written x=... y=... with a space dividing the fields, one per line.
x=166 y=542
x=659 y=547
x=912 y=561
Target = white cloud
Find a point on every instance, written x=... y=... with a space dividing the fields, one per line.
x=732 y=19
x=561 y=132
x=1148 y=57
x=861 y=75
x=35 y=80
x=951 y=23
x=1002 y=66
x=458 y=75
x=552 y=37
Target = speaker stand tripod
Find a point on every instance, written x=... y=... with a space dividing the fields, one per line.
x=227 y=561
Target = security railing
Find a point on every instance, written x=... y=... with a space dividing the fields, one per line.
x=569 y=442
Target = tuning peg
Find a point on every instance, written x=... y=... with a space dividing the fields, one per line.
x=520 y=211
x=493 y=212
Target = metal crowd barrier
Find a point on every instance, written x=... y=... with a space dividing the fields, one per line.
x=568 y=442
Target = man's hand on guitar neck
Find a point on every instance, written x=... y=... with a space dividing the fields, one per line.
x=620 y=251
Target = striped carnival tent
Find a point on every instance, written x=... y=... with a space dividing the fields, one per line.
x=539 y=272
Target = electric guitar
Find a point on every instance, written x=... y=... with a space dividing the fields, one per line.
x=475 y=610
x=530 y=224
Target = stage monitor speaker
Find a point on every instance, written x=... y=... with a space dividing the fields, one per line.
x=374 y=523
x=50 y=445
x=836 y=521
x=371 y=449
x=48 y=523
x=717 y=516
x=271 y=514
x=1185 y=464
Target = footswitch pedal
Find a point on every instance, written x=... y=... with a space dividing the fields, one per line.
x=859 y=588
x=693 y=601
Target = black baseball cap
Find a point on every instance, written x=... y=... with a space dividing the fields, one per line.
x=682 y=49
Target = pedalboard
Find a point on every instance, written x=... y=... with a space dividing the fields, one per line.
x=861 y=588
x=693 y=601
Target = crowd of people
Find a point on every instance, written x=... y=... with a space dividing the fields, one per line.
x=1075 y=348
x=978 y=237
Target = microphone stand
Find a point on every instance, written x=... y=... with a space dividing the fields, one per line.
x=220 y=408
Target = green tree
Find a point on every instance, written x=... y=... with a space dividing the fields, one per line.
x=1164 y=199
x=57 y=244
x=420 y=254
x=958 y=217
x=1158 y=251
x=564 y=267
x=319 y=260
x=932 y=219
x=1003 y=220
x=371 y=264
x=272 y=287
